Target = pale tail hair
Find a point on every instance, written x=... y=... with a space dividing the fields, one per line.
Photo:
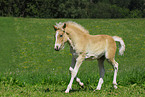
x=122 y=45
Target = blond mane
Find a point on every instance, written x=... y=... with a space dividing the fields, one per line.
x=73 y=24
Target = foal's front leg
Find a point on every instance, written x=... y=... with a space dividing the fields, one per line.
x=72 y=66
x=71 y=69
x=74 y=71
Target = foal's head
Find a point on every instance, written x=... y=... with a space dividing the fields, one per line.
x=60 y=36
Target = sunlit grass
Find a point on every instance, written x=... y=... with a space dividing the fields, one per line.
x=28 y=59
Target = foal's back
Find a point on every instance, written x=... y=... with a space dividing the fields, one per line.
x=101 y=44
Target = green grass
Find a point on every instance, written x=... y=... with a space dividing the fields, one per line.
x=29 y=65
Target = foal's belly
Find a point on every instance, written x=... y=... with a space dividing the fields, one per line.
x=93 y=56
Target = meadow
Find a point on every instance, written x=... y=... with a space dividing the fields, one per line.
x=29 y=65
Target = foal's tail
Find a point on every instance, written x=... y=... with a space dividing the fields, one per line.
x=122 y=45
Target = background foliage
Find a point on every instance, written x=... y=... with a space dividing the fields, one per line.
x=73 y=8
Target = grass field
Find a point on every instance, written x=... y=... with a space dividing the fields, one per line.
x=29 y=65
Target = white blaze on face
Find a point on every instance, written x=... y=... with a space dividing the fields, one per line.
x=57 y=33
x=56 y=44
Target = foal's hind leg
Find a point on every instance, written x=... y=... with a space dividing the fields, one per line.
x=102 y=71
x=115 y=66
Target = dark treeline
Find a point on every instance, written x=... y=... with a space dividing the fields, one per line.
x=73 y=8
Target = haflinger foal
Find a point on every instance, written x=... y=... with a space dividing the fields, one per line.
x=85 y=46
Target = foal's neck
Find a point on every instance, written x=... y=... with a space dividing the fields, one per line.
x=75 y=37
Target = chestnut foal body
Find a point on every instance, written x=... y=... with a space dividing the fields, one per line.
x=85 y=46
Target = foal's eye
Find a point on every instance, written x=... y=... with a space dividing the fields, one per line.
x=61 y=35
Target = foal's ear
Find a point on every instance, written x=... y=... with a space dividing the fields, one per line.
x=64 y=26
x=55 y=28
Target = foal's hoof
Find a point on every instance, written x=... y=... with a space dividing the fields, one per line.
x=115 y=87
x=66 y=91
x=82 y=84
x=98 y=88
x=95 y=90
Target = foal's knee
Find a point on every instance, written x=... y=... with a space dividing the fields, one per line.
x=70 y=69
x=73 y=72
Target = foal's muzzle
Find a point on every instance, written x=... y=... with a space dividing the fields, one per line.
x=57 y=48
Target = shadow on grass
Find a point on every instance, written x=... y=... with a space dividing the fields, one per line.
x=76 y=89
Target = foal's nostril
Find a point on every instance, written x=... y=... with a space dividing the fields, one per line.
x=56 y=48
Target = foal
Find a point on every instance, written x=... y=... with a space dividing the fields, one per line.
x=86 y=46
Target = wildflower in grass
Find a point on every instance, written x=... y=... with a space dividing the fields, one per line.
x=70 y=54
x=39 y=43
x=25 y=67
x=25 y=62
x=49 y=37
x=117 y=23
x=49 y=60
x=111 y=69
